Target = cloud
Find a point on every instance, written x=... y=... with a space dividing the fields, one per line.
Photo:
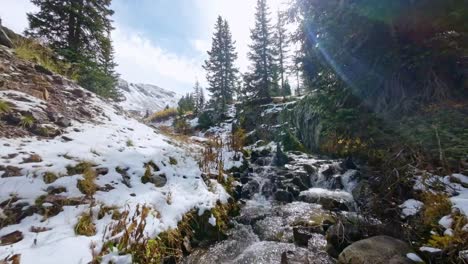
x=141 y=60
x=13 y=14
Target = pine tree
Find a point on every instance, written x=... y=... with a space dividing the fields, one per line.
x=79 y=30
x=221 y=72
x=196 y=97
x=282 y=42
x=262 y=54
x=201 y=100
x=286 y=88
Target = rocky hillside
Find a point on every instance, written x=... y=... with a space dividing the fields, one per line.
x=140 y=98
x=75 y=171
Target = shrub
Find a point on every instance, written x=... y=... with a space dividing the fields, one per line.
x=130 y=143
x=181 y=126
x=436 y=205
x=88 y=186
x=4 y=107
x=205 y=121
x=85 y=225
x=163 y=115
x=80 y=168
x=49 y=177
x=27 y=121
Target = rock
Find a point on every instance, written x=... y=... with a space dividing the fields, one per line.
x=268 y=189
x=34 y=158
x=11 y=238
x=42 y=69
x=250 y=189
x=102 y=171
x=11 y=171
x=12 y=118
x=4 y=39
x=330 y=171
x=159 y=180
x=272 y=228
x=284 y=196
x=52 y=190
x=298 y=182
x=375 y=250
x=298 y=256
x=63 y=122
x=362 y=193
x=341 y=235
x=67 y=139
x=301 y=236
x=309 y=169
x=348 y=164
x=330 y=200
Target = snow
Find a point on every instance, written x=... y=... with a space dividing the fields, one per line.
x=430 y=249
x=414 y=258
x=142 y=97
x=104 y=142
x=212 y=220
x=410 y=207
x=446 y=221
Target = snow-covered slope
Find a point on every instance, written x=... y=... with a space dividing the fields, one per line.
x=142 y=97
x=45 y=135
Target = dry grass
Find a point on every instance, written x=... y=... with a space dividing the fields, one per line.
x=4 y=107
x=163 y=115
x=88 y=186
x=85 y=225
x=33 y=51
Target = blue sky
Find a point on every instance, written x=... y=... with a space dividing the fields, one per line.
x=164 y=42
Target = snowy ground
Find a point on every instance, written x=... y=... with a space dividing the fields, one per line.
x=110 y=141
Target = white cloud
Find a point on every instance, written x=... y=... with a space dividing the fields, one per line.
x=13 y=14
x=141 y=60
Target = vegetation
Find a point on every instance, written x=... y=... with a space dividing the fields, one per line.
x=85 y=225
x=49 y=177
x=85 y=41
x=220 y=68
x=4 y=107
x=88 y=185
x=27 y=121
x=163 y=115
x=31 y=50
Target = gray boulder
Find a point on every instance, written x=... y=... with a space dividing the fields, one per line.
x=376 y=250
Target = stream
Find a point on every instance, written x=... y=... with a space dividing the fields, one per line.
x=286 y=212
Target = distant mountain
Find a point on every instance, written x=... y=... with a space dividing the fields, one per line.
x=142 y=97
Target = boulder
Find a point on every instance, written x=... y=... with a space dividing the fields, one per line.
x=250 y=189
x=375 y=250
x=284 y=196
x=330 y=200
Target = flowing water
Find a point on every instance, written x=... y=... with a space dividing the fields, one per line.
x=285 y=212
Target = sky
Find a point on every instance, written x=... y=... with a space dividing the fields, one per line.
x=164 y=42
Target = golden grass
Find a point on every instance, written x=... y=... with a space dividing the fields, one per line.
x=163 y=115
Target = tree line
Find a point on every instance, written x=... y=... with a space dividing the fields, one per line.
x=269 y=56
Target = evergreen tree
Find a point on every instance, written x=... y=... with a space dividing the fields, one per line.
x=79 y=31
x=262 y=54
x=282 y=42
x=201 y=99
x=196 y=96
x=286 y=88
x=221 y=72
